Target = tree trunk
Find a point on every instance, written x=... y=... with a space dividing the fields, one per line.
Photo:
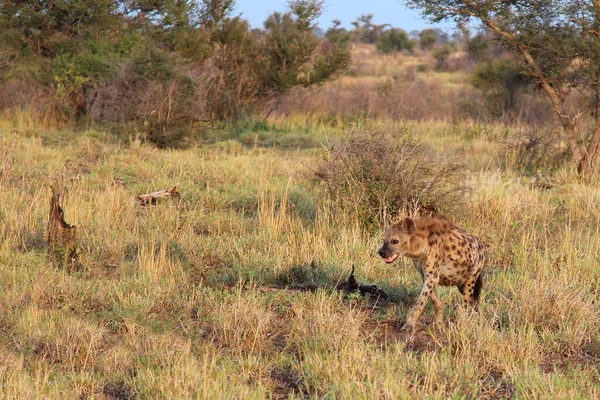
x=589 y=162
x=585 y=159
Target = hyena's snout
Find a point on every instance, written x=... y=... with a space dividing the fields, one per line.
x=388 y=255
x=382 y=252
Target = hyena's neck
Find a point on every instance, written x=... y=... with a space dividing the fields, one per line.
x=418 y=247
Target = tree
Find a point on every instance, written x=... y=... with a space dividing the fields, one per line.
x=501 y=84
x=442 y=53
x=365 y=31
x=337 y=34
x=394 y=39
x=478 y=47
x=294 y=55
x=558 y=44
x=427 y=38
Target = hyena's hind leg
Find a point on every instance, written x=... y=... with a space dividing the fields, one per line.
x=471 y=289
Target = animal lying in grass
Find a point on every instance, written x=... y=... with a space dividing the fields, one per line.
x=442 y=253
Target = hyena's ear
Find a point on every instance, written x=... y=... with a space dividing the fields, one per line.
x=410 y=226
x=387 y=222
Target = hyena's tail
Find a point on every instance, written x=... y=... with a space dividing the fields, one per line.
x=477 y=289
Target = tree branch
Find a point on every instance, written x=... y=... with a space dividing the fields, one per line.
x=567 y=122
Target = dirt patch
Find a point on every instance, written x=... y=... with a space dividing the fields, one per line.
x=388 y=332
x=497 y=386
x=118 y=391
x=286 y=382
x=378 y=297
x=557 y=362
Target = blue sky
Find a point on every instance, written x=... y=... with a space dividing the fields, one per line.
x=393 y=12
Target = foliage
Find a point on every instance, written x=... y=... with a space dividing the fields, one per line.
x=502 y=84
x=148 y=61
x=427 y=38
x=291 y=54
x=336 y=34
x=441 y=54
x=478 y=47
x=365 y=31
x=386 y=38
x=394 y=39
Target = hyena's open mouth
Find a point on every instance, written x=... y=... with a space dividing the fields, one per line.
x=391 y=258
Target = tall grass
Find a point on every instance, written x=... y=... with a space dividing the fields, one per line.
x=195 y=297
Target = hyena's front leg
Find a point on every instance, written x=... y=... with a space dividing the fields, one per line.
x=431 y=278
x=438 y=306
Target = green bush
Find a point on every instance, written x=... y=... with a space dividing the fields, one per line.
x=394 y=40
x=441 y=54
x=337 y=35
x=427 y=38
x=478 y=47
x=502 y=85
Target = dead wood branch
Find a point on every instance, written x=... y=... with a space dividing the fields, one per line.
x=61 y=235
x=351 y=286
x=377 y=296
x=151 y=198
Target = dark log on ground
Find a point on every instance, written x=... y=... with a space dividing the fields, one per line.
x=61 y=235
x=377 y=296
x=351 y=285
x=151 y=198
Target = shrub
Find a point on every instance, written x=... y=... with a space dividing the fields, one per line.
x=163 y=67
x=501 y=84
x=478 y=47
x=338 y=35
x=427 y=38
x=384 y=167
x=533 y=150
x=441 y=54
x=394 y=40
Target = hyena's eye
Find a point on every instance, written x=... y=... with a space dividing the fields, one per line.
x=395 y=241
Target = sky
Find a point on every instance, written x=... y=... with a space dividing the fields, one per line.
x=393 y=12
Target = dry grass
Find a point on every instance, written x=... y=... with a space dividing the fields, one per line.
x=181 y=299
x=397 y=86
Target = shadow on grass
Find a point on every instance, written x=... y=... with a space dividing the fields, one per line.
x=311 y=277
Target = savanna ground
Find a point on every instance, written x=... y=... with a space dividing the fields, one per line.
x=197 y=297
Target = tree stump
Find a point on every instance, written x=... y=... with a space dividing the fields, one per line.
x=61 y=235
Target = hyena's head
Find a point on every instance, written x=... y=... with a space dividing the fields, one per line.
x=396 y=239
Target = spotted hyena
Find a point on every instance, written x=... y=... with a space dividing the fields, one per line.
x=442 y=253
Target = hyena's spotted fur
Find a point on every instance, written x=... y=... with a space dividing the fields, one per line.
x=442 y=253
